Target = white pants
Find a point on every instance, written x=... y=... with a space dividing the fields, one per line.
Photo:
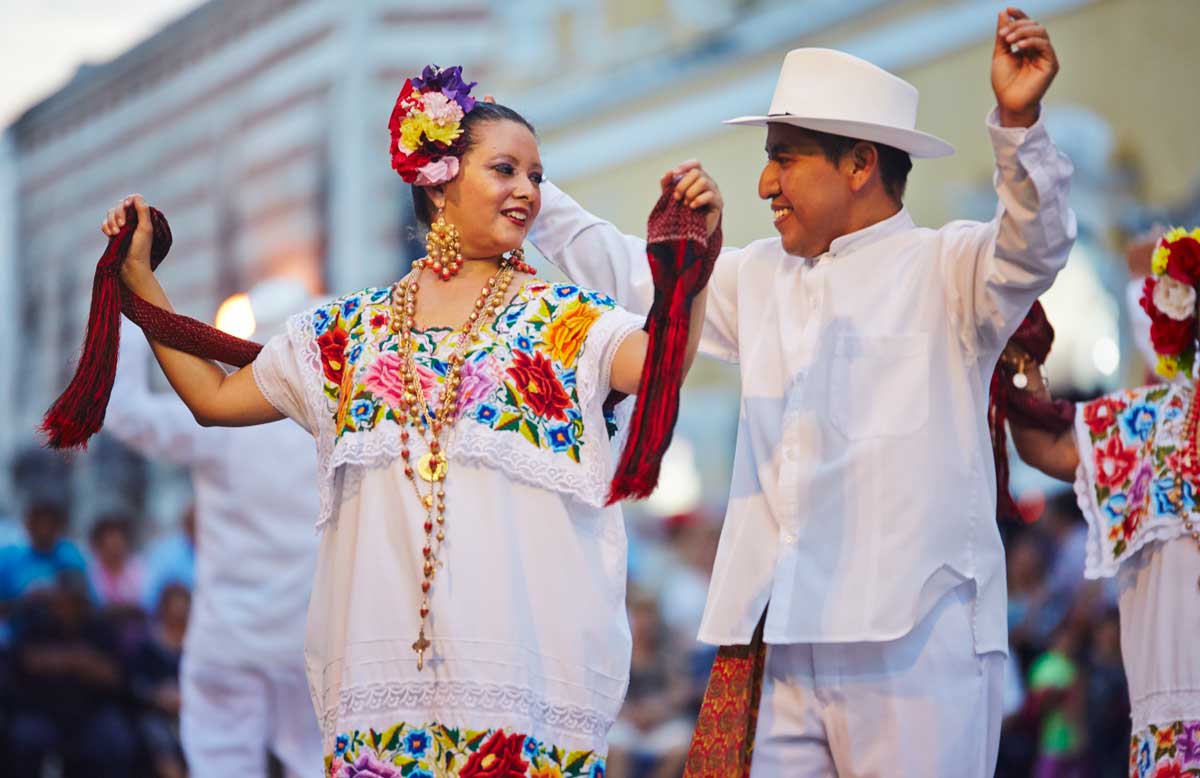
x=232 y=716
x=921 y=706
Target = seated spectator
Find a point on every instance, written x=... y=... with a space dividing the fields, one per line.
x=154 y=678
x=38 y=561
x=171 y=559
x=116 y=573
x=68 y=687
x=653 y=731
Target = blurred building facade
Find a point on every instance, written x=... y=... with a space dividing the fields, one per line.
x=259 y=128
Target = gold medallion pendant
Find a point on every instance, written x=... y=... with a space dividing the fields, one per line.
x=432 y=467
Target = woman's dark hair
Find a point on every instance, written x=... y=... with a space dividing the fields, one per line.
x=894 y=164
x=481 y=114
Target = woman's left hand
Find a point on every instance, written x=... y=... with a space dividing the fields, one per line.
x=696 y=189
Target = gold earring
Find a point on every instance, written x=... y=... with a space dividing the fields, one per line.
x=443 y=249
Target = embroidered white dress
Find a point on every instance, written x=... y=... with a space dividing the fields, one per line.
x=530 y=651
x=1129 y=449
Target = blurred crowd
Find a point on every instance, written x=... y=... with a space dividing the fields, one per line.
x=91 y=634
x=93 y=618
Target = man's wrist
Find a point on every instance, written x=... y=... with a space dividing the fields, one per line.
x=1025 y=118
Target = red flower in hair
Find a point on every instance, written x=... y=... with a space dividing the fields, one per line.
x=1170 y=336
x=1184 y=262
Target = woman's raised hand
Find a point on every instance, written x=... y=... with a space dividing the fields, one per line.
x=696 y=189
x=137 y=261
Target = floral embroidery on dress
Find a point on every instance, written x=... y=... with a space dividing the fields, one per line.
x=519 y=379
x=1136 y=447
x=1166 y=751
x=436 y=751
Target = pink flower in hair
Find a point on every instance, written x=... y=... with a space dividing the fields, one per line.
x=439 y=171
x=442 y=109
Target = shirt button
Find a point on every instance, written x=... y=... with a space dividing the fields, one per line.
x=791 y=454
x=788 y=538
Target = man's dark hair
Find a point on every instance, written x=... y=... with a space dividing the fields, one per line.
x=894 y=164
x=482 y=113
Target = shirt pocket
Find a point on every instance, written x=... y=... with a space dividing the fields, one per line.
x=880 y=385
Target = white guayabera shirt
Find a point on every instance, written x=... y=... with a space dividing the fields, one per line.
x=863 y=485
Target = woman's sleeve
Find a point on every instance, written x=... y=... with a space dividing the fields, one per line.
x=279 y=373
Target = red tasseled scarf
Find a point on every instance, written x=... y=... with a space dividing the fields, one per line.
x=79 y=412
x=1005 y=401
x=682 y=255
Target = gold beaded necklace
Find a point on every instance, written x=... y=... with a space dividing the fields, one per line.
x=432 y=467
x=1188 y=462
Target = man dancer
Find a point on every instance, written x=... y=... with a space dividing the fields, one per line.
x=243 y=687
x=863 y=497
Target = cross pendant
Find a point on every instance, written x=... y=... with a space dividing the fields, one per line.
x=419 y=645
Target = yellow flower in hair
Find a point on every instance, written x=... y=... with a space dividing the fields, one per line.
x=1158 y=261
x=1175 y=233
x=1168 y=366
x=418 y=125
x=410 y=132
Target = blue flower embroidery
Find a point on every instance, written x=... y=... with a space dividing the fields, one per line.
x=486 y=413
x=355 y=352
x=597 y=770
x=1116 y=507
x=1145 y=760
x=349 y=307
x=381 y=295
x=524 y=344
x=565 y=291
x=532 y=746
x=562 y=437
x=320 y=321
x=417 y=743
x=568 y=379
x=340 y=746
x=419 y=773
x=1138 y=421
x=362 y=410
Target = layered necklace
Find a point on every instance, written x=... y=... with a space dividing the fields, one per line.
x=1190 y=462
x=428 y=475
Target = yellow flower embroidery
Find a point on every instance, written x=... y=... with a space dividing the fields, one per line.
x=548 y=771
x=564 y=339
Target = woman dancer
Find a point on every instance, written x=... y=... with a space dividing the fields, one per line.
x=1132 y=456
x=467 y=615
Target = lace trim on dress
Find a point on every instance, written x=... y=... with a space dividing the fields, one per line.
x=396 y=699
x=1164 y=707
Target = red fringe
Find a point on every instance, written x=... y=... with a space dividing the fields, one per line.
x=78 y=413
x=682 y=256
x=1007 y=403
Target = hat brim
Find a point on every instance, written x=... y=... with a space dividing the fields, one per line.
x=919 y=144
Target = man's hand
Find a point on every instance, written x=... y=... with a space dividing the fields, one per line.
x=1023 y=67
x=696 y=189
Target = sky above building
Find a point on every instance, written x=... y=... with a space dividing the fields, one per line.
x=43 y=43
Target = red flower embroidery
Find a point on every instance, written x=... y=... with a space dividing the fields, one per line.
x=378 y=320
x=1132 y=520
x=1102 y=414
x=539 y=386
x=1170 y=770
x=499 y=757
x=1113 y=463
x=333 y=352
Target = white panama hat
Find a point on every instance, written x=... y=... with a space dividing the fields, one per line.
x=833 y=92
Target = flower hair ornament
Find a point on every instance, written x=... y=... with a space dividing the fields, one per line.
x=426 y=125
x=1169 y=298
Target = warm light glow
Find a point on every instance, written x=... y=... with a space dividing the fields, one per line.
x=1106 y=355
x=679 y=487
x=235 y=316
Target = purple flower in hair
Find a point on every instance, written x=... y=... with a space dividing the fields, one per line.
x=449 y=82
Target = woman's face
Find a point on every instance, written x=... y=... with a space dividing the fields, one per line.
x=497 y=192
